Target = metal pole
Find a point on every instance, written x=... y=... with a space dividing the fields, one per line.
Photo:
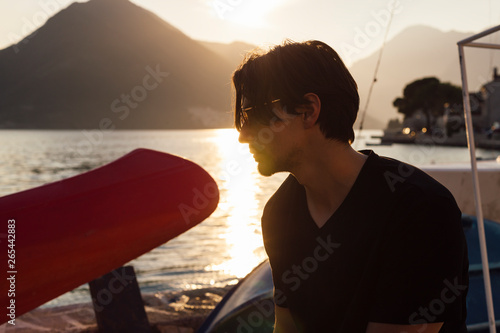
x=477 y=193
x=483 y=45
x=479 y=35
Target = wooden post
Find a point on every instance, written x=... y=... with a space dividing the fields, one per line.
x=118 y=304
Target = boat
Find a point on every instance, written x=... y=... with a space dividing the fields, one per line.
x=457 y=177
x=369 y=144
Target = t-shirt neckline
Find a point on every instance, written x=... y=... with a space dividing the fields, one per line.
x=352 y=193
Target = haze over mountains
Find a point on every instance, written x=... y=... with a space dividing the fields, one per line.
x=112 y=64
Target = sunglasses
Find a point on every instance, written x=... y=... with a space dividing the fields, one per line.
x=262 y=117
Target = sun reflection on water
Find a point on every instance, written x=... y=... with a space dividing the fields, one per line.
x=239 y=185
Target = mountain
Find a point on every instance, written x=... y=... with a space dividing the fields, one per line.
x=415 y=53
x=234 y=52
x=112 y=64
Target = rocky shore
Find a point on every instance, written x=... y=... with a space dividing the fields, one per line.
x=168 y=312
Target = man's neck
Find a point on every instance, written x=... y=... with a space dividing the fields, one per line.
x=328 y=174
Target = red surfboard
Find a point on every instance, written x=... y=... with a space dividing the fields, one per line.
x=61 y=235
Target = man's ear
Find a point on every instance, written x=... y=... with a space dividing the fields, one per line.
x=310 y=111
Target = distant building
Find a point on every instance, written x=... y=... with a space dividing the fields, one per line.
x=485 y=110
x=489 y=103
x=417 y=122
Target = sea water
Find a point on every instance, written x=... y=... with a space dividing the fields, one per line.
x=224 y=247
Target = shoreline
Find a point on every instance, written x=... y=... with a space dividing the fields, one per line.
x=168 y=312
x=456 y=140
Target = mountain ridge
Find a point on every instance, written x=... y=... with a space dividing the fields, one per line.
x=97 y=60
x=89 y=54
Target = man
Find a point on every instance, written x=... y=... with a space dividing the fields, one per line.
x=356 y=242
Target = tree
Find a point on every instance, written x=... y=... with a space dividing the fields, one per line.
x=429 y=95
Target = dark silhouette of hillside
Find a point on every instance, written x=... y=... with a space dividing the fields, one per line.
x=110 y=63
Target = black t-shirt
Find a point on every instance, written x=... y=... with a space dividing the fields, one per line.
x=393 y=252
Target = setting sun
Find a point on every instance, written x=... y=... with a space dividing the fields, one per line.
x=251 y=14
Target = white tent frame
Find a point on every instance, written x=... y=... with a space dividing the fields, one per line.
x=475 y=179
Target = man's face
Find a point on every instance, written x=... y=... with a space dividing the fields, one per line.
x=275 y=145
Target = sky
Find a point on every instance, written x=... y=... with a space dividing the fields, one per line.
x=354 y=28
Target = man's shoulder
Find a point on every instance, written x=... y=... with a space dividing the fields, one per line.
x=404 y=179
x=285 y=194
x=416 y=194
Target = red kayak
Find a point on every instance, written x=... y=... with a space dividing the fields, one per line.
x=64 y=234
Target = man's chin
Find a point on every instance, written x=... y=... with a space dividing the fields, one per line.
x=266 y=169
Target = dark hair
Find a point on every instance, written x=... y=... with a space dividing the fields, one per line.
x=288 y=72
